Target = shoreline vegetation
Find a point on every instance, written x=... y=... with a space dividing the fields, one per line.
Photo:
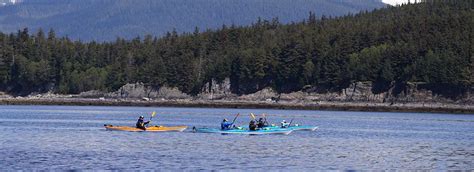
x=321 y=105
x=409 y=58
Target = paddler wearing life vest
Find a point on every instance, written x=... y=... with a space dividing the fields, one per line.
x=262 y=123
x=141 y=123
x=226 y=125
x=284 y=124
x=252 y=125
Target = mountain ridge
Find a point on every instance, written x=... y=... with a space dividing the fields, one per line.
x=105 y=20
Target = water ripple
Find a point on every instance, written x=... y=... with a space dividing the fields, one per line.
x=73 y=138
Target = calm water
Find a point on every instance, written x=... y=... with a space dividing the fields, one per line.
x=73 y=137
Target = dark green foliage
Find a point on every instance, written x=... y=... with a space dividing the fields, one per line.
x=428 y=43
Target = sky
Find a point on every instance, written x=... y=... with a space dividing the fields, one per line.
x=395 y=2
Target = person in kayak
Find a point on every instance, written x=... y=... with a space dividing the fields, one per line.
x=262 y=123
x=226 y=125
x=284 y=124
x=141 y=123
x=252 y=125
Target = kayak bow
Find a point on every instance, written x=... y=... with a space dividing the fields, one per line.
x=150 y=129
x=296 y=128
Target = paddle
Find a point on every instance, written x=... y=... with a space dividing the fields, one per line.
x=235 y=118
x=152 y=115
x=265 y=117
x=291 y=122
x=252 y=115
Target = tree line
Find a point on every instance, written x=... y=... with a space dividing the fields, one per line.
x=429 y=43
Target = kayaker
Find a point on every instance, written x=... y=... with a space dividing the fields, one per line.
x=226 y=125
x=262 y=123
x=141 y=123
x=252 y=125
x=284 y=124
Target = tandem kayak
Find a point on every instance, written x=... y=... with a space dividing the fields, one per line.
x=244 y=131
x=305 y=128
x=150 y=129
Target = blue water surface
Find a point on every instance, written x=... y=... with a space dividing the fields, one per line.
x=73 y=138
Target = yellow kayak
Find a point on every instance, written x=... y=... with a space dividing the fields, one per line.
x=152 y=128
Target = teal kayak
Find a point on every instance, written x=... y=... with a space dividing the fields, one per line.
x=245 y=131
x=295 y=128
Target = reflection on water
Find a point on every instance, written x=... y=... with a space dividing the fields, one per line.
x=73 y=137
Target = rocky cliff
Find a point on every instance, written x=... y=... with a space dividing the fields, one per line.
x=357 y=97
x=356 y=92
x=362 y=92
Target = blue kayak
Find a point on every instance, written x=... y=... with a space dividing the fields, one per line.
x=306 y=128
x=245 y=131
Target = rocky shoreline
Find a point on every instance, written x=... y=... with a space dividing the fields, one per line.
x=339 y=106
x=357 y=97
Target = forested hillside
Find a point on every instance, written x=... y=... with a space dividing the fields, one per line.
x=429 y=43
x=108 y=19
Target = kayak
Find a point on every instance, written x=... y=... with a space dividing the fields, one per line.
x=151 y=129
x=244 y=131
x=304 y=128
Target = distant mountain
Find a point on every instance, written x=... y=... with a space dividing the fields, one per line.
x=104 y=20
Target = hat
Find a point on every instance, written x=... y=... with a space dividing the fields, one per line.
x=141 y=117
x=225 y=119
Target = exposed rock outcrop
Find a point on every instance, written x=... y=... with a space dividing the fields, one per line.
x=171 y=93
x=5 y=95
x=48 y=95
x=266 y=94
x=214 y=90
x=140 y=91
x=92 y=94
x=358 y=97
x=356 y=92
x=362 y=92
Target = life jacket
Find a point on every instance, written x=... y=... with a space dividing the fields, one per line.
x=226 y=125
x=140 y=123
x=252 y=126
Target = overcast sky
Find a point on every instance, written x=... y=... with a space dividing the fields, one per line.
x=395 y=2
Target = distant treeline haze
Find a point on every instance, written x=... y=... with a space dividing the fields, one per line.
x=429 y=42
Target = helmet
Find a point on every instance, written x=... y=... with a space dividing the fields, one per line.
x=283 y=121
x=225 y=119
x=141 y=117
